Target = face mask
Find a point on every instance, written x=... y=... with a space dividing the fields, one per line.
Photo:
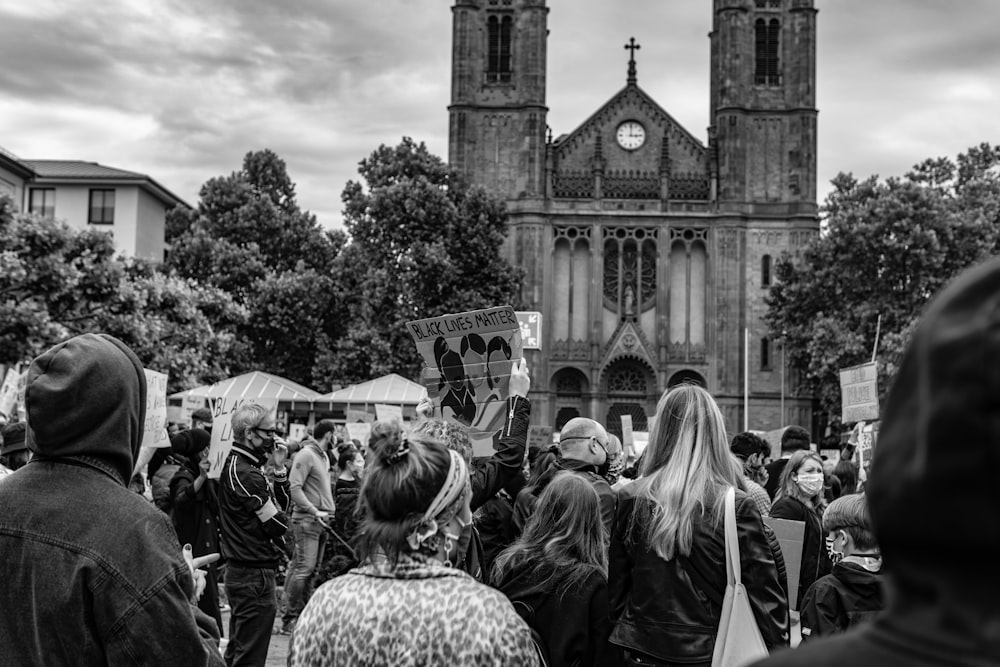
x=835 y=556
x=811 y=483
x=462 y=541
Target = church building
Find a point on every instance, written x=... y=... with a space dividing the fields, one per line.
x=648 y=250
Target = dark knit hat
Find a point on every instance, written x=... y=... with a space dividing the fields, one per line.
x=795 y=438
x=203 y=415
x=13 y=438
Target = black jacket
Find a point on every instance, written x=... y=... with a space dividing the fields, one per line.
x=848 y=596
x=815 y=560
x=497 y=472
x=670 y=610
x=251 y=520
x=573 y=627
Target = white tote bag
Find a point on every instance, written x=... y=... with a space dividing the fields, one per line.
x=739 y=641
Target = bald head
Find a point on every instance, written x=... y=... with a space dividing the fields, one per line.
x=584 y=440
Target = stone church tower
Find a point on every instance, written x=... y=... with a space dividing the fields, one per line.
x=648 y=251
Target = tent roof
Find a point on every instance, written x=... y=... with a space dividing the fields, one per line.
x=390 y=389
x=256 y=384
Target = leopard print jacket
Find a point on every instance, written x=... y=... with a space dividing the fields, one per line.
x=416 y=614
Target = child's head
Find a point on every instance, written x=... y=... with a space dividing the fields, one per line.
x=849 y=526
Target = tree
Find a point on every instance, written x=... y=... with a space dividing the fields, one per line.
x=886 y=249
x=423 y=244
x=56 y=282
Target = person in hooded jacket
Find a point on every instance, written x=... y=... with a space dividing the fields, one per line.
x=932 y=495
x=555 y=574
x=852 y=594
x=113 y=588
x=195 y=511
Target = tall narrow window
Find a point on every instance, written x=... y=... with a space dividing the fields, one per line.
x=43 y=202
x=498 y=65
x=766 y=70
x=765 y=354
x=765 y=271
x=102 y=207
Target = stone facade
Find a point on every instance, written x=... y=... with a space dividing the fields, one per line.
x=648 y=251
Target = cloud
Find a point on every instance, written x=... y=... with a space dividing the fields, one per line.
x=182 y=89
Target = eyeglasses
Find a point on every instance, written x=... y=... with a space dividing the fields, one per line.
x=603 y=445
x=269 y=432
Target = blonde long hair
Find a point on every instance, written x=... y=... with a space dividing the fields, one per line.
x=687 y=467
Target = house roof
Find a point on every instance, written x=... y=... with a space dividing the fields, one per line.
x=68 y=171
x=11 y=162
x=390 y=389
x=255 y=384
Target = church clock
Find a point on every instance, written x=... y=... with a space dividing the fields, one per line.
x=631 y=135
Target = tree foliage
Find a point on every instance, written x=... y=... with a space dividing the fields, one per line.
x=57 y=282
x=886 y=249
x=423 y=244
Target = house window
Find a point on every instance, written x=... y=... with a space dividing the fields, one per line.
x=765 y=271
x=43 y=202
x=102 y=207
x=765 y=354
x=499 y=34
x=766 y=71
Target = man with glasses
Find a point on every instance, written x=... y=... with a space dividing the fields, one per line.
x=252 y=525
x=583 y=449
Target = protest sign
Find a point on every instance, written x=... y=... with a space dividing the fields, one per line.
x=222 y=428
x=8 y=392
x=791 y=535
x=154 y=432
x=539 y=437
x=531 y=329
x=468 y=358
x=859 y=393
x=628 y=438
x=359 y=431
x=388 y=413
x=297 y=432
x=359 y=416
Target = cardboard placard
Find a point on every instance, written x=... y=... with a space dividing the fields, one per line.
x=388 y=413
x=531 y=329
x=154 y=432
x=628 y=437
x=363 y=416
x=222 y=428
x=8 y=392
x=297 y=432
x=539 y=437
x=859 y=393
x=359 y=431
x=791 y=535
x=468 y=358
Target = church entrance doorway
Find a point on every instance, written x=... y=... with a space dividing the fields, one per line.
x=628 y=390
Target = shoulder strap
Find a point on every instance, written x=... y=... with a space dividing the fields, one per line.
x=733 y=574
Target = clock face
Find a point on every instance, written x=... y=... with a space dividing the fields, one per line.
x=631 y=135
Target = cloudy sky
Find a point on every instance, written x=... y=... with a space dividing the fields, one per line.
x=182 y=89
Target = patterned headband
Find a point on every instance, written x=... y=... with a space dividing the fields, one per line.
x=454 y=486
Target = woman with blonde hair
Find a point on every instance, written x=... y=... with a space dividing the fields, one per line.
x=407 y=604
x=800 y=498
x=667 y=569
x=556 y=574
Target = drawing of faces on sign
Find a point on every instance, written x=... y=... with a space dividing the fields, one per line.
x=472 y=381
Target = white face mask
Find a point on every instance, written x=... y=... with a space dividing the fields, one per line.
x=810 y=483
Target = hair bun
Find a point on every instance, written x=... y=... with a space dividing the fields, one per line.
x=388 y=443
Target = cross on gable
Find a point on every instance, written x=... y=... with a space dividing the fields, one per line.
x=631 y=47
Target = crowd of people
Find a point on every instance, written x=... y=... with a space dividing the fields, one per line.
x=408 y=550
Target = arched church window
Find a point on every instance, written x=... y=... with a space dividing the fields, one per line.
x=499 y=31
x=765 y=354
x=765 y=271
x=766 y=69
x=629 y=271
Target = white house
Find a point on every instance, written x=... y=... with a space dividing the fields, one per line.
x=132 y=207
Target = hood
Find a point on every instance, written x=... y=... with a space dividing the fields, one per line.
x=932 y=491
x=865 y=584
x=86 y=400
